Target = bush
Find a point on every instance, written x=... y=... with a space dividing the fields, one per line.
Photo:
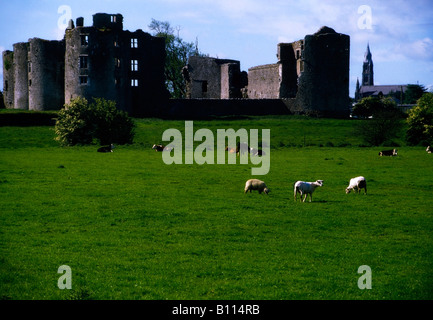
x=82 y=123
x=420 y=121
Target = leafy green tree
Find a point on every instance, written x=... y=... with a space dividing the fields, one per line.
x=385 y=123
x=82 y=123
x=420 y=121
x=178 y=52
x=413 y=93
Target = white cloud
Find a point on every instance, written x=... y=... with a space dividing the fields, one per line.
x=418 y=50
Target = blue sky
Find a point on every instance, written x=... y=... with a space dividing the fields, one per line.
x=400 y=33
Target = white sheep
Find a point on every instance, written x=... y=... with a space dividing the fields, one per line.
x=255 y=184
x=306 y=188
x=356 y=184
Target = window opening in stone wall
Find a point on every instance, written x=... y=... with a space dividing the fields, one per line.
x=134 y=43
x=30 y=83
x=6 y=85
x=30 y=66
x=134 y=82
x=117 y=62
x=134 y=65
x=83 y=80
x=204 y=86
x=84 y=39
x=117 y=81
x=113 y=19
x=83 y=62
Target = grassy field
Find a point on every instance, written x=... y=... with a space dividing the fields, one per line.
x=132 y=227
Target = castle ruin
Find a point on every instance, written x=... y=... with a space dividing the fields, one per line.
x=310 y=77
x=101 y=61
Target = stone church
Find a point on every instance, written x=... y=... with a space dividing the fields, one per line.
x=369 y=89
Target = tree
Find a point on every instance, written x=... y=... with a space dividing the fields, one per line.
x=420 y=121
x=413 y=93
x=178 y=52
x=385 y=122
x=82 y=123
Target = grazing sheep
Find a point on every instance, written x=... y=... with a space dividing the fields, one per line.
x=306 y=188
x=106 y=148
x=356 y=184
x=390 y=153
x=160 y=147
x=255 y=184
x=257 y=152
x=429 y=149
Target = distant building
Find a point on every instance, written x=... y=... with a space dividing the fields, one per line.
x=101 y=61
x=369 y=89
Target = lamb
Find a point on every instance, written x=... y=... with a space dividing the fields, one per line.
x=255 y=184
x=106 y=148
x=356 y=184
x=306 y=188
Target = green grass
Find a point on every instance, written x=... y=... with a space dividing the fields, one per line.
x=131 y=227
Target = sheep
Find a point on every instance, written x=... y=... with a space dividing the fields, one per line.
x=429 y=149
x=158 y=147
x=257 y=152
x=390 y=153
x=357 y=184
x=255 y=184
x=106 y=148
x=306 y=188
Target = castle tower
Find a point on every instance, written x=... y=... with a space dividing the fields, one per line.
x=105 y=61
x=21 y=76
x=46 y=61
x=324 y=82
x=367 y=69
x=8 y=79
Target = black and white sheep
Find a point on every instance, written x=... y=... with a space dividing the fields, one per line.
x=106 y=148
x=255 y=184
x=306 y=188
x=356 y=184
x=389 y=153
x=429 y=149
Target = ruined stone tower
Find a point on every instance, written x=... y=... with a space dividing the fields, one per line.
x=323 y=86
x=107 y=62
x=212 y=78
x=33 y=75
x=312 y=75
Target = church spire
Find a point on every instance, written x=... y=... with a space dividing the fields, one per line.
x=367 y=68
